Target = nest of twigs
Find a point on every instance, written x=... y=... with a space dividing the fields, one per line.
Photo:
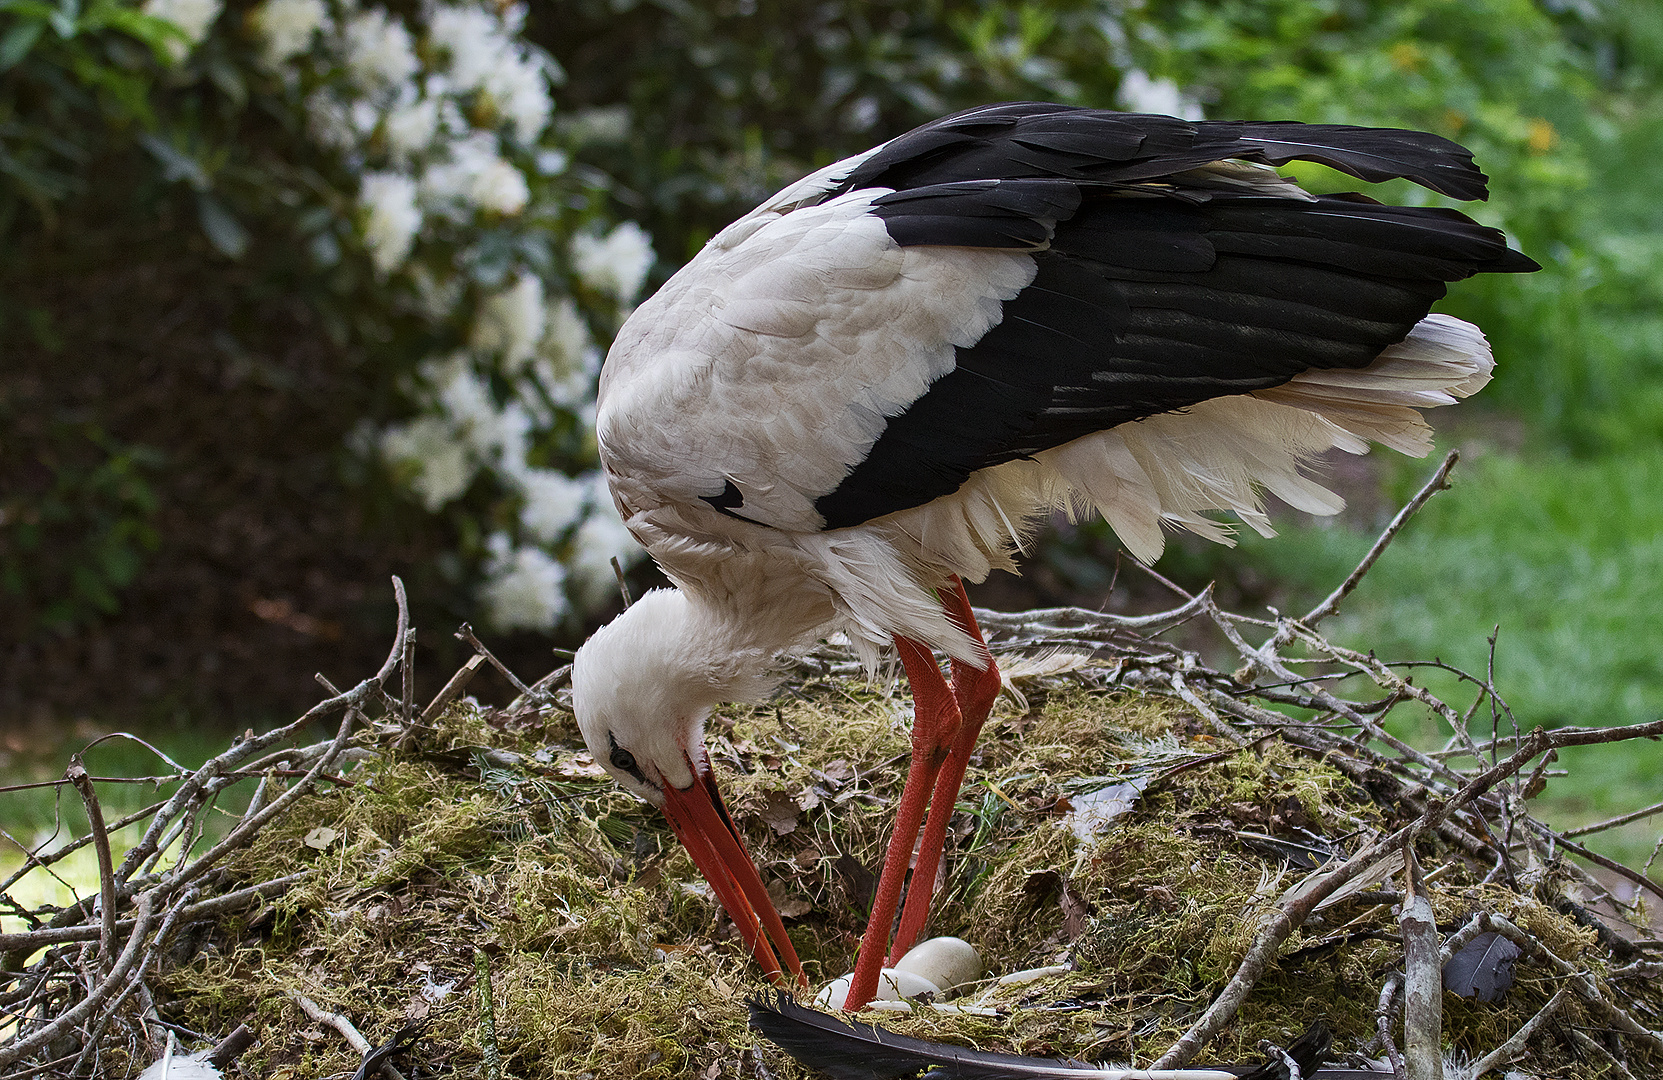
x=1197 y=859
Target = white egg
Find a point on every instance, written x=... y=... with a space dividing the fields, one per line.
x=948 y=962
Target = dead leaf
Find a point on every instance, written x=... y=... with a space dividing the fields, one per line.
x=1290 y=813
x=809 y=799
x=789 y=906
x=1075 y=914
x=580 y=766
x=780 y=813
x=320 y=838
x=838 y=769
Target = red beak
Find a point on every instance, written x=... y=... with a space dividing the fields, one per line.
x=701 y=822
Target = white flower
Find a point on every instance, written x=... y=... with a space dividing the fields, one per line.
x=1140 y=93
x=192 y=17
x=520 y=90
x=379 y=51
x=553 y=502
x=287 y=27
x=393 y=218
x=476 y=176
x=598 y=540
x=500 y=187
x=440 y=466
x=511 y=322
x=617 y=264
x=524 y=587
x=485 y=57
x=463 y=396
x=566 y=340
x=411 y=125
x=330 y=120
x=474 y=39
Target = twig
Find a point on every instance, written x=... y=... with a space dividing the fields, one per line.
x=1383 y=1013
x=407 y=706
x=344 y=1028
x=1612 y=823
x=465 y=633
x=452 y=689
x=77 y=774
x=1591 y=1046
x=1581 y=982
x=231 y=1047
x=1514 y=1047
x=543 y=687
x=623 y=582
x=203 y=909
x=1437 y=483
x=1422 y=986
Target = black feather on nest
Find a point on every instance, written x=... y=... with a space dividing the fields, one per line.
x=850 y=1050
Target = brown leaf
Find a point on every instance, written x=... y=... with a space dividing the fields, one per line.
x=1290 y=813
x=788 y=905
x=1075 y=914
x=780 y=813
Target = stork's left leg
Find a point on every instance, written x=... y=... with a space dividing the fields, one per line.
x=935 y=727
x=975 y=690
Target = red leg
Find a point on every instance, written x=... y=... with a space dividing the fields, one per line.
x=936 y=721
x=975 y=690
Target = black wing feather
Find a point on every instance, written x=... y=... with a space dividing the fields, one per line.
x=1154 y=290
x=1020 y=139
x=850 y=1050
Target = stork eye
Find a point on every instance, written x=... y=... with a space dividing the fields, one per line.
x=624 y=760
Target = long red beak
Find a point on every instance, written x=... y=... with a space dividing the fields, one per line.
x=702 y=823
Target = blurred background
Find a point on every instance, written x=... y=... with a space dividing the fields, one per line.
x=300 y=294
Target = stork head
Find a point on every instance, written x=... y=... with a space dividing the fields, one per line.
x=643 y=687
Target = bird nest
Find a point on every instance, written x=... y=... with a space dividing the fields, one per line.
x=1179 y=861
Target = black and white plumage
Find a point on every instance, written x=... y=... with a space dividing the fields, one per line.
x=880 y=378
x=850 y=1050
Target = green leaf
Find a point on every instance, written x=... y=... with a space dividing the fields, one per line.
x=225 y=232
x=17 y=43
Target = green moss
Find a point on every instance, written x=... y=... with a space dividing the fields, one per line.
x=609 y=956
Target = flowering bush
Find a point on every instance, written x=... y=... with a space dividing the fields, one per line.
x=444 y=234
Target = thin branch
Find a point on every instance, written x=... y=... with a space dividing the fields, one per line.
x=1612 y=823
x=77 y=775
x=1437 y=483
x=465 y=633
x=1513 y=1048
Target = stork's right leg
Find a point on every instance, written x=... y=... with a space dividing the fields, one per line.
x=935 y=725
x=975 y=690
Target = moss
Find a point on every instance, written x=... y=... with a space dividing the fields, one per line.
x=609 y=956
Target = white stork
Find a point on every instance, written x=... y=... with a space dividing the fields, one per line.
x=870 y=387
